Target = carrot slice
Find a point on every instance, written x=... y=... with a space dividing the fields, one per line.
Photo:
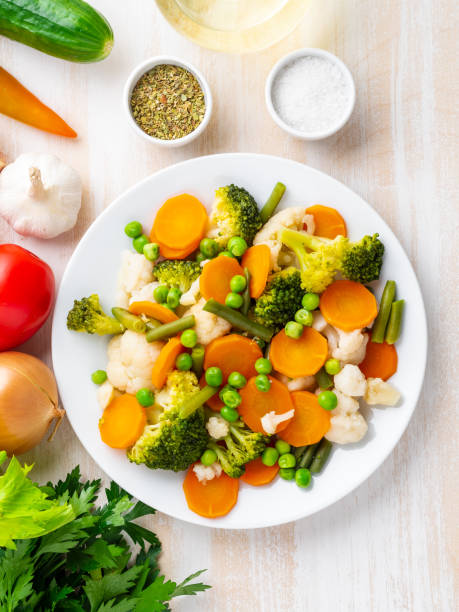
x=173 y=253
x=302 y=357
x=233 y=353
x=255 y=404
x=156 y=311
x=122 y=422
x=348 y=305
x=216 y=275
x=180 y=222
x=211 y=498
x=328 y=222
x=310 y=423
x=257 y=473
x=380 y=361
x=165 y=362
x=257 y=260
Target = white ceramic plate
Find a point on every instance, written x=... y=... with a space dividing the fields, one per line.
x=93 y=268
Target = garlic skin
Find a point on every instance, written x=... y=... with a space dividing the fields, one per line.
x=40 y=195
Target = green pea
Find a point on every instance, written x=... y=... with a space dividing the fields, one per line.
x=310 y=301
x=282 y=447
x=287 y=473
x=263 y=366
x=160 y=294
x=151 y=251
x=133 y=229
x=200 y=257
x=173 y=297
x=231 y=398
x=214 y=376
x=98 y=377
x=238 y=283
x=269 y=456
x=237 y=246
x=229 y=414
x=262 y=383
x=303 y=477
x=208 y=247
x=293 y=330
x=222 y=391
x=287 y=460
x=183 y=362
x=189 y=338
x=208 y=457
x=139 y=242
x=226 y=254
x=234 y=300
x=145 y=397
x=304 y=317
x=237 y=380
x=332 y=366
x=328 y=400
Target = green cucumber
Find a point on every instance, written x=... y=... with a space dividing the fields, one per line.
x=69 y=29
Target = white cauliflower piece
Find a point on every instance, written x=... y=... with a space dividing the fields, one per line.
x=105 y=393
x=145 y=294
x=296 y=384
x=135 y=272
x=207 y=472
x=217 y=427
x=347 y=425
x=130 y=361
x=208 y=326
x=190 y=297
x=351 y=381
x=332 y=338
x=319 y=322
x=380 y=393
x=291 y=218
x=270 y=421
x=351 y=346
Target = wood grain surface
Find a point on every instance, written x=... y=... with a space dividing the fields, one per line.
x=390 y=546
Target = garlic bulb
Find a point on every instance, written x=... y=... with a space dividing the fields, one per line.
x=40 y=195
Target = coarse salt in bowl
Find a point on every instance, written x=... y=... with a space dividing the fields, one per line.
x=310 y=94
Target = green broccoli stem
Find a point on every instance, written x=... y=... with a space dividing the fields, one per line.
x=129 y=320
x=380 y=324
x=321 y=456
x=238 y=320
x=272 y=202
x=171 y=329
x=323 y=379
x=197 y=359
x=297 y=241
x=246 y=295
x=195 y=401
x=307 y=457
x=395 y=321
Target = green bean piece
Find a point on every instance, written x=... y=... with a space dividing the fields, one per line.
x=307 y=457
x=171 y=329
x=246 y=295
x=323 y=379
x=321 y=456
x=129 y=320
x=195 y=401
x=238 y=320
x=299 y=452
x=152 y=324
x=395 y=321
x=271 y=203
x=197 y=357
x=380 y=324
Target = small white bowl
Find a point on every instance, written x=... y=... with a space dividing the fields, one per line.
x=144 y=67
x=287 y=59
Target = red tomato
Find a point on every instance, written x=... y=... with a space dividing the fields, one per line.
x=26 y=294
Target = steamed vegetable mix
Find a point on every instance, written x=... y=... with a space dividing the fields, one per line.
x=241 y=354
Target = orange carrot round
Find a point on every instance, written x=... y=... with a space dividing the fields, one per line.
x=302 y=357
x=328 y=222
x=310 y=423
x=233 y=353
x=348 y=305
x=257 y=473
x=255 y=404
x=156 y=311
x=165 y=362
x=257 y=260
x=180 y=222
x=168 y=253
x=211 y=498
x=380 y=360
x=216 y=275
x=122 y=422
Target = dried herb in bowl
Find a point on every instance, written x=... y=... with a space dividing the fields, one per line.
x=168 y=102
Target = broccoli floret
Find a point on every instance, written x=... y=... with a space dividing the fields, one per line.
x=234 y=213
x=88 y=316
x=174 y=443
x=363 y=260
x=242 y=445
x=226 y=460
x=179 y=273
x=280 y=299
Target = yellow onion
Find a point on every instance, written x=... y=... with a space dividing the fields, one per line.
x=28 y=402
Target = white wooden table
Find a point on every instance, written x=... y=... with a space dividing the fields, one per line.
x=391 y=545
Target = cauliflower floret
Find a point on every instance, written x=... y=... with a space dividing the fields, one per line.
x=208 y=326
x=130 y=360
x=217 y=427
x=135 y=272
x=381 y=393
x=291 y=218
x=105 y=393
x=191 y=296
x=145 y=294
x=347 y=425
x=271 y=420
x=296 y=384
x=319 y=322
x=207 y=472
x=351 y=381
x=351 y=347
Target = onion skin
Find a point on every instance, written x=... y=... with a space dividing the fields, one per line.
x=28 y=401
